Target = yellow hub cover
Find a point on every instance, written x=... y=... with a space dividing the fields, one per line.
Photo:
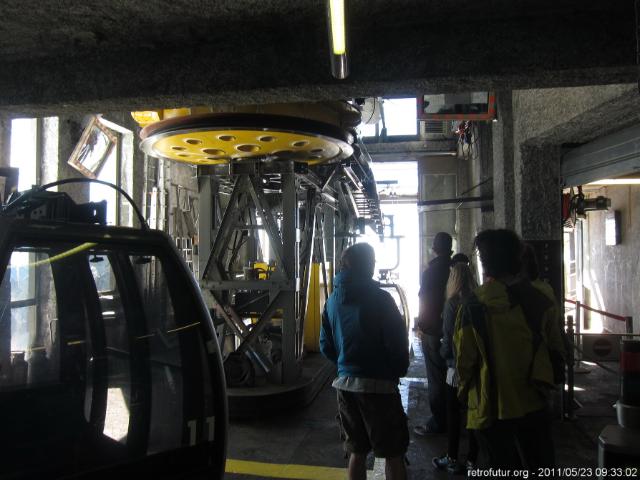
x=215 y=147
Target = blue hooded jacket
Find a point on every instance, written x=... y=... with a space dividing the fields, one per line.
x=362 y=330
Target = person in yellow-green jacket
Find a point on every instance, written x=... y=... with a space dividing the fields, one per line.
x=557 y=339
x=502 y=355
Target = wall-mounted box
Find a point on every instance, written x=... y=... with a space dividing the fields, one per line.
x=613 y=233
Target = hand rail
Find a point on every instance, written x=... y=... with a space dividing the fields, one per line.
x=601 y=312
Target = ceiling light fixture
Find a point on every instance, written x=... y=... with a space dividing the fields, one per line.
x=617 y=181
x=338 y=38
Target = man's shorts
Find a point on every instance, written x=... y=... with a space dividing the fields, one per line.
x=373 y=421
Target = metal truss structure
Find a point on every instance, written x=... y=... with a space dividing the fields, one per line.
x=280 y=216
x=281 y=188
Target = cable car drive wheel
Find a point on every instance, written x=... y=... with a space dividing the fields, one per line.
x=219 y=138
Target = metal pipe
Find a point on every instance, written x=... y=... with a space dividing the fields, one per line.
x=570 y=366
x=445 y=201
x=578 y=330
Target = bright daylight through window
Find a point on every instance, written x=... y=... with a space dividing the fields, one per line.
x=400 y=119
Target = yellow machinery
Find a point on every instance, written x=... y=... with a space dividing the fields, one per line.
x=310 y=133
x=286 y=188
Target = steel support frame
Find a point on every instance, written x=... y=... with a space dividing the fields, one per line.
x=290 y=319
x=297 y=235
x=284 y=286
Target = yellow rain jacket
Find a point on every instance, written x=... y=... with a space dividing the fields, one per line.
x=504 y=366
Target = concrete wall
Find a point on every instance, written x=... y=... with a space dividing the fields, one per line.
x=503 y=176
x=611 y=272
x=534 y=129
x=474 y=169
x=527 y=143
x=438 y=179
x=5 y=141
x=472 y=166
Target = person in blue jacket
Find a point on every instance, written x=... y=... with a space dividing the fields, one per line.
x=364 y=334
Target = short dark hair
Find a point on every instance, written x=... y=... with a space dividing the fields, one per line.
x=500 y=252
x=359 y=258
x=442 y=244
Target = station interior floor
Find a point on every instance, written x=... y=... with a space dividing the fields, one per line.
x=305 y=444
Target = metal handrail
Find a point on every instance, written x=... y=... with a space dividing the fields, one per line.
x=601 y=312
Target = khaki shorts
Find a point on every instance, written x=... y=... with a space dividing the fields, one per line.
x=373 y=421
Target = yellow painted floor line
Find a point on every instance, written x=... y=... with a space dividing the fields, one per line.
x=297 y=472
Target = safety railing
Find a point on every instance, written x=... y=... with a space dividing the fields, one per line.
x=574 y=334
x=579 y=306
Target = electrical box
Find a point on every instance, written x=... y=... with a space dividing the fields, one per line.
x=613 y=234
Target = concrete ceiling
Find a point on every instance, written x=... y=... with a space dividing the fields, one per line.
x=117 y=55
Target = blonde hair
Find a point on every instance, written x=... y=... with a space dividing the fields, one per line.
x=461 y=281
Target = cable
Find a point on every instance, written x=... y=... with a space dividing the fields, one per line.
x=29 y=193
x=476 y=186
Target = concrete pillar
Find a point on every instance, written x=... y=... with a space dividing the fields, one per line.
x=132 y=164
x=5 y=141
x=503 y=163
x=538 y=213
x=538 y=184
x=69 y=132
x=485 y=161
x=138 y=173
x=5 y=291
x=50 y=153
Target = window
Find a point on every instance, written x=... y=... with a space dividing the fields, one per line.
x=93 y=349
x=400 y=117
x=166 y=362
x=369 y=129
x=28 y=325
x=24 y=140
x=117 y=415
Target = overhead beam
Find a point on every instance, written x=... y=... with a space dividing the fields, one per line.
x=252 y=62
x=607 y=157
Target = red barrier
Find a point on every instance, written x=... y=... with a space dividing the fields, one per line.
x=601 y=312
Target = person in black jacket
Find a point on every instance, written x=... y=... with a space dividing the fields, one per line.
x=459 y=288
x=432 y=296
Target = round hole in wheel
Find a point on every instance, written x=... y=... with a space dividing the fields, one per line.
x=178 y=149
x=315 y=157
x=226 y=138
x=183 y=155
x=300 y=143
x=213 y=151
x=317 y=150
x=248 y=148
x=193 y=141
x=267 y=138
